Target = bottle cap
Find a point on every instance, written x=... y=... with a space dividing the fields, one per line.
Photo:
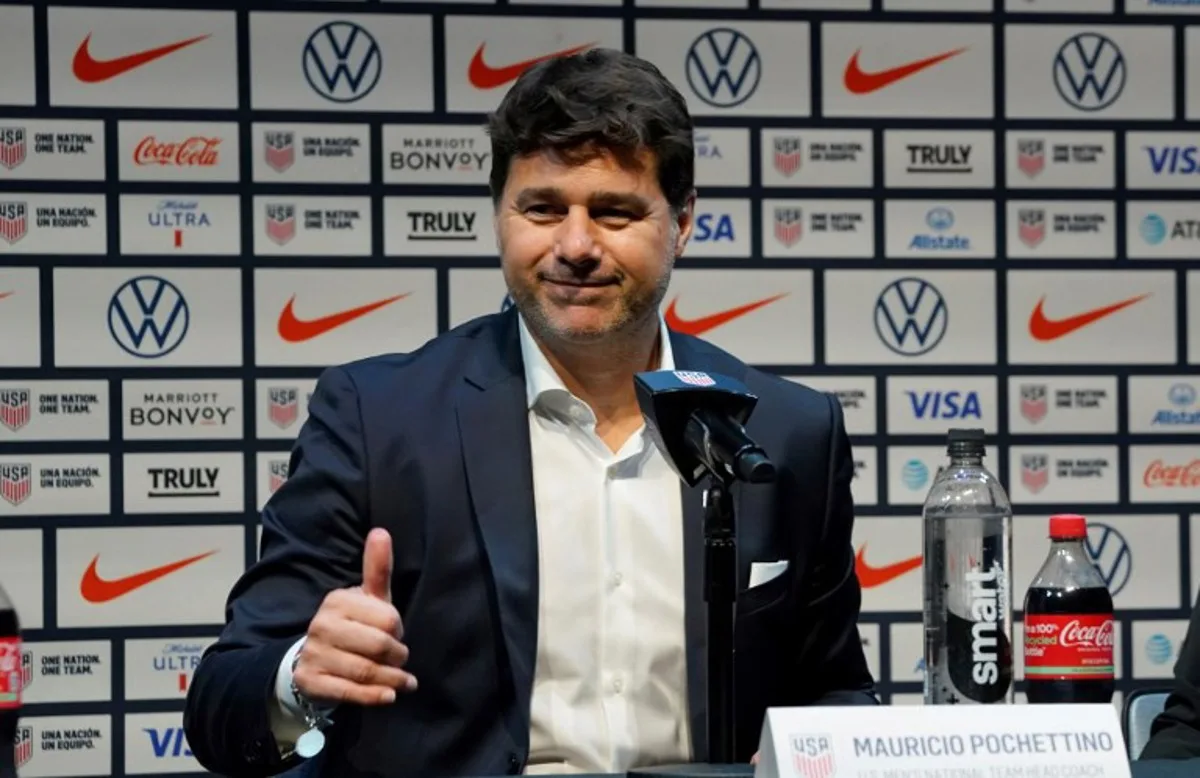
x=965 y=441
x=1068 y=526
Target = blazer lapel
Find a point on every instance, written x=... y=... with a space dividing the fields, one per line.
x=492 y=423
x=691 y=354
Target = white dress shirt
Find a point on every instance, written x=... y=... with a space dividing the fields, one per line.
x=610 y=683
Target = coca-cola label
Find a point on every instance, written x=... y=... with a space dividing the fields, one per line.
x=196 y=151
x=10 y=673
x=1068 y=647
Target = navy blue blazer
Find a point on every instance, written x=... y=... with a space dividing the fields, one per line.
x=434 y=446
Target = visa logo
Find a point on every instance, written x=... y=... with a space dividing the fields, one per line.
x=714 y=227
x=1173 y=160
x=945 y=405
x=169 y=742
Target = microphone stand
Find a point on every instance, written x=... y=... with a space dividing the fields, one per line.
x=720 y=594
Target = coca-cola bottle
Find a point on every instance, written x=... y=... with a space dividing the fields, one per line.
x=10 y=684
x=1068 y=622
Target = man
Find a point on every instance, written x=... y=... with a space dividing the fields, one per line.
x=1175 y=733
x=480 y=564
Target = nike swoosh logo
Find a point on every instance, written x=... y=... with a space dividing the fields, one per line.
x=295 y=330
x=100 y=590
x=92 y=71
x=5 y=294
x=1044 y=329
x=860 y=82
x=869 y=577
x=705 y=323
x=484 y=76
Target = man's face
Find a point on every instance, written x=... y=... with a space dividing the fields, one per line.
x=587 y=247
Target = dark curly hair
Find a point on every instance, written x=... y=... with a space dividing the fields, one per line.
x=598 y=100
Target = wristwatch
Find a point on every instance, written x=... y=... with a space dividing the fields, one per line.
x=316 y=717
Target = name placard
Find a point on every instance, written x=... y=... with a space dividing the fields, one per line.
x=943 y=741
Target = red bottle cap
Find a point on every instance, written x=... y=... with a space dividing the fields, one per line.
x=1068 y=526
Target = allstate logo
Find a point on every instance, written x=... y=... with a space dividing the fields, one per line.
x=723 y=67
x=1158 y=649
x=1090 y=71
x=1182 y=395
x=1153 y=229
x=342 y=62
x=1110 y=554
x=939 y=219
x=911 y=316
x=148 y=317
x=914 y=474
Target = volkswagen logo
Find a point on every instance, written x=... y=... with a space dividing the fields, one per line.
x=911 y=316
x=939 y=219
x=148 y=317
x=1090 y=71
x=342 y=62
x=723 y=67
x=1110 y=554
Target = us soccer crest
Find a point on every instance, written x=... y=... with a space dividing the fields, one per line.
x=23 y=746
x=15 y=411
x=1035 y=471
x=14 y=221
x=279 y=149
x=812 y=756
x=16 y=482
x=281 y=223
x=12 y=146
x=1033 y=402
x=26 y=669
x=283 y=406
x=789 y=225
x=277 y=474
x=1031 y=156
x=1031 y=227
x=788 y=155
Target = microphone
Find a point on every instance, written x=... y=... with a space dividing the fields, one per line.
x=696 y=420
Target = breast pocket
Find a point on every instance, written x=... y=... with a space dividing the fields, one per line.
x=764 y=595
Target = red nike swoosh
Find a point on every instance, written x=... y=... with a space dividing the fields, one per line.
x=1045 y=329
x=712 y=321
x=295 y=330
x=484 y=76
x=5 y=294
x=93 y=71
x=97 y=590
x=860 y=82
x=869 y=577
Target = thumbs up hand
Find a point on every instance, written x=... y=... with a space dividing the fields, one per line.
x=353 y=652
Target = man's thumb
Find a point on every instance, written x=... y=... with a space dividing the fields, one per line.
x=377 y=565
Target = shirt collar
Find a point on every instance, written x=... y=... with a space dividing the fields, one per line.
x=540 y=378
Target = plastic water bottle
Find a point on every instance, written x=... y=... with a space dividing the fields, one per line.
x=967 y=530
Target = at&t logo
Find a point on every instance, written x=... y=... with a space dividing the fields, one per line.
x=148 y=317
x=723 y=67
x=340 y=52
x=911 y=316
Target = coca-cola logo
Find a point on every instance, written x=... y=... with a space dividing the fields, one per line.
x=1075 y=635
x=196 y=151
x=1158 y=474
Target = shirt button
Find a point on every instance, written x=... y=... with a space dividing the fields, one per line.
x=618 y=685
x=617 y=579
x=514 y=764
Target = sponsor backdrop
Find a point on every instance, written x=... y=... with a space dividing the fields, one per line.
x=946 y=212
